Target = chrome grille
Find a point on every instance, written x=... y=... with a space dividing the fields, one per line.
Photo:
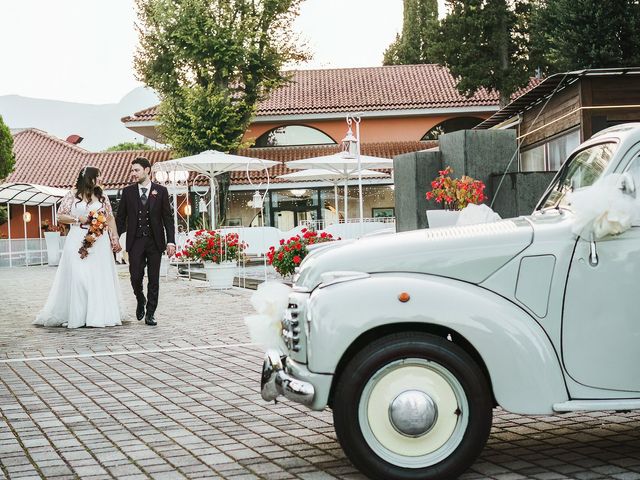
x=291 y=327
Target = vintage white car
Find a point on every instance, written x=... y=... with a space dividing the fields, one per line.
x=413 y=338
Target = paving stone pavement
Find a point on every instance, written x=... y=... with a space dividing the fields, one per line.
x=181 y=400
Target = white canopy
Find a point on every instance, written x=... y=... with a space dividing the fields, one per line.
x=346 y=165
x=30 y=194
x=212 y=163
x=331 y=177
x=341 y=163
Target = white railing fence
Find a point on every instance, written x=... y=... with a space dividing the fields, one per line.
x=316 y=225
x=32 y=251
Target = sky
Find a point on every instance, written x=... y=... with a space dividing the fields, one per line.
x=82 y=50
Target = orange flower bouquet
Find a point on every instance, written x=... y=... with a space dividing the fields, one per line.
x=96 y=226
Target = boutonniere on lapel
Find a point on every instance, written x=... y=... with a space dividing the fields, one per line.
x=154 y=192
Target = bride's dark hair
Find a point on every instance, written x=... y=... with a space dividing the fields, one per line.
x=86 y=185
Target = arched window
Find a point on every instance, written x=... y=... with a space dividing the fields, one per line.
x=451 y=125
x=290 y=135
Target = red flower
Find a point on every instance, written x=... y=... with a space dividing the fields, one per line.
x=297 y=259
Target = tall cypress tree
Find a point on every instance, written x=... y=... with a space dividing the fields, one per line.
x=570 y=34
x=484 y=43
x=419 y=25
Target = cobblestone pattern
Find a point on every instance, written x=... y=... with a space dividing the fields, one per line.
x=198 y=414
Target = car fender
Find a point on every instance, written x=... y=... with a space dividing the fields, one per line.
x=523 y=366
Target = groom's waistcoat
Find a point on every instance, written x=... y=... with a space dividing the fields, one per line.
x=144 y=223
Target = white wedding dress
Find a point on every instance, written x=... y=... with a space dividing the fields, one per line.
x=85 y=291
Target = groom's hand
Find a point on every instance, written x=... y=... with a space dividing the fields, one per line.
x=171 y=250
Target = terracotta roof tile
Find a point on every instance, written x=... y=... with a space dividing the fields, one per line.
x=46 y=160
x=365 y=89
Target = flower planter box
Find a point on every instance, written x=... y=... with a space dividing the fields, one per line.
x=442 y=218
x=220 y=275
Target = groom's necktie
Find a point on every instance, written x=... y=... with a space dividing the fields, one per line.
x=143 y=197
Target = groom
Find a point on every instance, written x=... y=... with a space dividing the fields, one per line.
x=145 y=214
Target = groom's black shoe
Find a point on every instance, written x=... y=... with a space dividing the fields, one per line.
x=140 y=310
x=149 y=320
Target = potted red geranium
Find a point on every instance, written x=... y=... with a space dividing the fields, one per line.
x=453 y=194
x=220 y=254
x=291 y=252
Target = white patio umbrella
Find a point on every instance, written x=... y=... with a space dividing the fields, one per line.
x=212 y=163
x=344 y=164
x=332 y=177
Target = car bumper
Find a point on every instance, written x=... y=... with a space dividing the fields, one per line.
x=276 y=381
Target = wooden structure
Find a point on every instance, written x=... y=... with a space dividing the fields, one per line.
x=566 y=109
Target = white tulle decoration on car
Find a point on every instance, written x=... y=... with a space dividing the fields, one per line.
x=270 y=302
x=473 y=214
x=604 y=208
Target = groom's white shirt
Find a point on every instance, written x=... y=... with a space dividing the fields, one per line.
x=147 y=186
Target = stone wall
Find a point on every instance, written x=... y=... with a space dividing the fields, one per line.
x=482 y=154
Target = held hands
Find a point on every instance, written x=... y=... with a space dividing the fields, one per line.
x=171 y=250
x=115 y=245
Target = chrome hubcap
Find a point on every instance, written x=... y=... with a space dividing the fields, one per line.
x=413 y=413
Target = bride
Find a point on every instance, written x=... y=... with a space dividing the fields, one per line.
x=85 y=291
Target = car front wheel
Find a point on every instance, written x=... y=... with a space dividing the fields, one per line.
x=412 y=406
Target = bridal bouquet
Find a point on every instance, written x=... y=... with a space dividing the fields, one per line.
x=96 y=226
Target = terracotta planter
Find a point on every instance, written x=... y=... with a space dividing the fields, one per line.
x=220 y=275
x=442 y=218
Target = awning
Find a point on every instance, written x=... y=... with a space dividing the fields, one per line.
x=549 y=86
x=30 y=194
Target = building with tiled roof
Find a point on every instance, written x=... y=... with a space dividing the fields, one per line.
x=403 y=109
x=398 y=102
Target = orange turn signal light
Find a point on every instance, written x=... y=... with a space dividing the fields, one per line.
x=404 y=297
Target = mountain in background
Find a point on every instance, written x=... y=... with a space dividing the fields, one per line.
x=99 y=125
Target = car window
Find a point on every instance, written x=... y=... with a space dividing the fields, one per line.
x=581 y=170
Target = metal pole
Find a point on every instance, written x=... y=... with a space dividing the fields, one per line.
x=26 y=246
x=40 y=233
x=346 y=197
x=9 y=226
x=357 y=120
x=213 y=201
x=335 y=197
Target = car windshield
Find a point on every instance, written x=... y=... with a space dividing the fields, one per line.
x=581 y=170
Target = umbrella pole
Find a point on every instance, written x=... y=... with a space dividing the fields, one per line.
x=346 y=198
x=335 y=198
x=213 y=201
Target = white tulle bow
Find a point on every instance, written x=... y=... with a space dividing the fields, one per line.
x=603 y=208
x=270 y=302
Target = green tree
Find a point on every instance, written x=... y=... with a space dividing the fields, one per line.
x=571 y=35
x=126 y=146
x=419 y=25
x=485 y=44
x=7 y=157
x=211 y=62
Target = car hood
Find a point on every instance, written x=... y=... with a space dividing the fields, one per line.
x=470 y=253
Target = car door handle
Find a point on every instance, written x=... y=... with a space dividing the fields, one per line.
x=593 y=254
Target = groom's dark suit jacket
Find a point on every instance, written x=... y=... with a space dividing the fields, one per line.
x=160 y=215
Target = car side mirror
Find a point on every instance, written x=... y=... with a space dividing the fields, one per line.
x=627 y=184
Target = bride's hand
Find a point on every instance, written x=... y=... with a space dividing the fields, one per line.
x=83 y=219
x=115 y=245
